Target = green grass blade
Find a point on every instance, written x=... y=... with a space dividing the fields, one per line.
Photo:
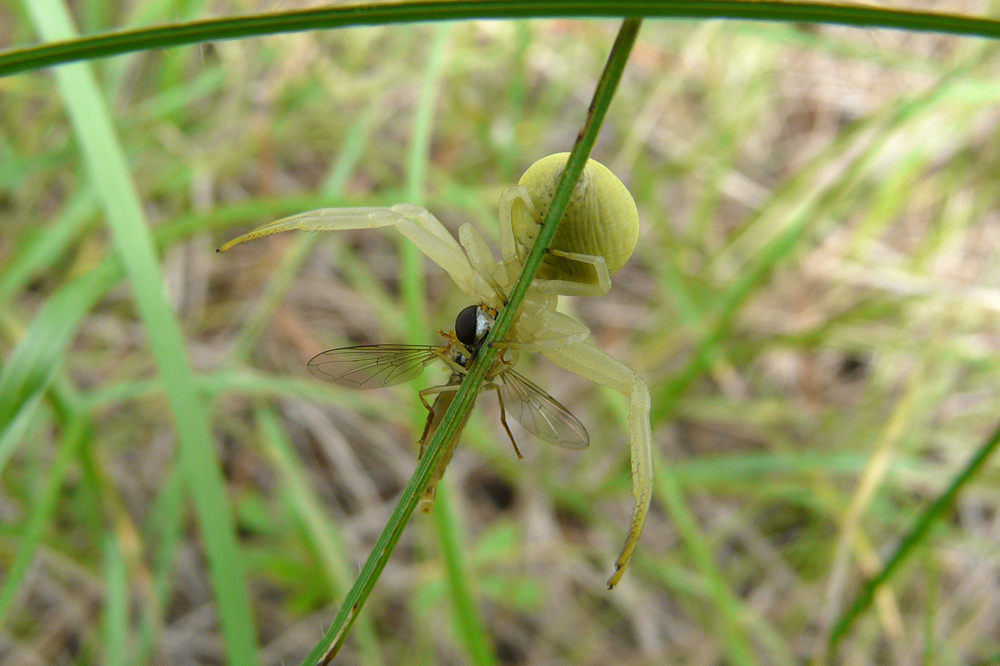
x=101 y=46
x=668 y=490
x=116 y=605
x=453 y=419
x=33 y=364
x=465 y=613
x=324 y=534
x=19 y=426
x=919 y=533
x=350 y=154
x=42 y=510
x=133 y=242
x=468 y=624
x=411 y=258
x=46 y=246
x=168 y=516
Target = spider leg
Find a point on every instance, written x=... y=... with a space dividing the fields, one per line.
x=543 y=329
x=483 y=262
x=574 y=287
x=591 y=362
x=512 y=251
x=415 y=223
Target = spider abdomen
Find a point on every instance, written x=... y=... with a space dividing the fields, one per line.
x=601 y=219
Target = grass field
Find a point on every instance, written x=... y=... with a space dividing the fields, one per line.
x=813 y=303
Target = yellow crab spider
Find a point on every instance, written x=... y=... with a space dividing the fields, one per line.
x=596 y=236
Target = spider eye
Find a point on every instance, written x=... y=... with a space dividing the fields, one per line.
x=465 y=326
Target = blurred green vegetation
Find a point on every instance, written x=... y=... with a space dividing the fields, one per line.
x=813 y=303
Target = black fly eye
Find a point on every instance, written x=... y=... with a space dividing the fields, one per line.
x=465 y=326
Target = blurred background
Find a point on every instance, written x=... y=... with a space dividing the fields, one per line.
x=813 y=303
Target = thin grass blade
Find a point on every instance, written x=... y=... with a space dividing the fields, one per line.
x=458 y=412
x=32 y=366
x=918 y=534
x=74 y=437
x=133 y=242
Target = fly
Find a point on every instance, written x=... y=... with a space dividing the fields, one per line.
x=376 y=366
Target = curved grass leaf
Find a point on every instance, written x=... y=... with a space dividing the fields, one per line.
x=237 y=27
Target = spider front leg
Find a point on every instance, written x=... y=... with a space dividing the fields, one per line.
x=510 y=253
x=482 y=261
x=415 y=223
x=591 y=362
x=597 y=263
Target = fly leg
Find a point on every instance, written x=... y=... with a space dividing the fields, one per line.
x=430 y=416
x=445 y=395
x=503 y=418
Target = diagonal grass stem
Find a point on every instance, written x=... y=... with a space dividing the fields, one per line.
x=917 y=535
x=334 y=638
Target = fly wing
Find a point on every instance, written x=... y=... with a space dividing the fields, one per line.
x=540 y=413
x=372 y=366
